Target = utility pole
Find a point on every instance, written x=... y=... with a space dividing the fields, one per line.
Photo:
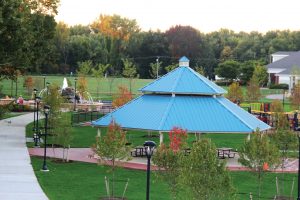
x=157 y=65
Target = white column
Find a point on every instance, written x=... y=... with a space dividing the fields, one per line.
x=161 y=137
x=98 y=132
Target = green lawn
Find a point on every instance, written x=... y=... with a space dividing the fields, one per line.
x=104 y=88
x=86 y=181
x=84 y=136
x=11 y=114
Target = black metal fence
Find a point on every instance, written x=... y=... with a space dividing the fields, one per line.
x=88 y=116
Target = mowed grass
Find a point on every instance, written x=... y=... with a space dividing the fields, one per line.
x=85 y=181
x=101 y=90
x=85 y=136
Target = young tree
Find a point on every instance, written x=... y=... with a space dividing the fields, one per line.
x=261 y=74
x=122 y=97
x=28 y=84
x=155 y=69
x=82 y=86
x=167 y=159
x=295 y=97
x=285 y=140
x=112 y=147
x=235 y=92
x=279 y=119
x=204 y=175
x=54 y=99
x=84 y=68
x=99 y=73
x=129 y=71
x=253 y=90
x=171 y=67
x=63 y=134
x=257 y=153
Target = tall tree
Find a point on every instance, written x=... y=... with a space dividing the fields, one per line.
x=228 y=69
x=62 y=35
x=14 y=35
x=118 y=32
x=186 y=40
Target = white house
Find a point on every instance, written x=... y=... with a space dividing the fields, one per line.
x=284 y=68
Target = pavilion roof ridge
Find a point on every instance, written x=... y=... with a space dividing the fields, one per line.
x=183 y=80
x=165 y=115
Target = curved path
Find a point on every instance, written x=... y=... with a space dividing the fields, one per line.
x=17 y=179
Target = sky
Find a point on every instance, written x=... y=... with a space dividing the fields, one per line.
x=204 y=15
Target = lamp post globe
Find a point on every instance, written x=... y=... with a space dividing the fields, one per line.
x=46 y=112
x=150 y=146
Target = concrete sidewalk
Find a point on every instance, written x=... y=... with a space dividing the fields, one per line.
x=17 y=179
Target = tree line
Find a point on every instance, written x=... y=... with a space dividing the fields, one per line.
x=32 y=42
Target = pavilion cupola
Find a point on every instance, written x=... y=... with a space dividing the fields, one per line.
x=184 y=81
x=184 y=62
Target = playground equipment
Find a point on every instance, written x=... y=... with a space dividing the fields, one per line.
x=263 y=112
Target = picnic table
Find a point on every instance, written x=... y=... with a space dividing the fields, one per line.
x=138 y=151
x=224 y=152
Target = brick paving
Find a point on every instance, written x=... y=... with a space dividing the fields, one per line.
x=87 y=155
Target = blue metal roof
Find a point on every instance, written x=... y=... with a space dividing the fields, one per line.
x=183 y=80
x=193 y=113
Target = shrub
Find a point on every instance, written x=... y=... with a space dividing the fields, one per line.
x=279 y=86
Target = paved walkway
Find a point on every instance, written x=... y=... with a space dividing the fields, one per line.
x=17 y=179
x=275 y=96
x=86 y=155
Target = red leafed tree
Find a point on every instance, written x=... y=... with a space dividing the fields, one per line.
x=178 y=138
x=122 y=97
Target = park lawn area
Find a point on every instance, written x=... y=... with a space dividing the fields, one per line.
x=82 y=181
x=85 y=136
x=85 y=181
x=106 y=85
x=11 y=114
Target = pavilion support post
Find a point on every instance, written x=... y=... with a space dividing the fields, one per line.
x=161 y=137
x=98 y=133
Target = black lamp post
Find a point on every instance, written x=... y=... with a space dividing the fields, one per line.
x=150 y=146
x=46 y=111
x=34 y=125
x=37 y=128
x=44 y=81
x=16 y=86
x=298 y=198
x=75 y=95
